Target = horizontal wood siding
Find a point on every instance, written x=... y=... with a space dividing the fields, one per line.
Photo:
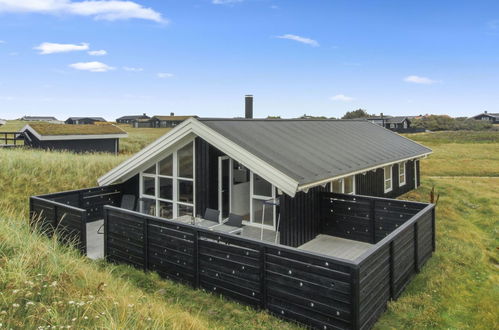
x=78 y=146
x=68 y=223
x=292 y=284
x=372 y=183
x=386 y=269
x=300 y=217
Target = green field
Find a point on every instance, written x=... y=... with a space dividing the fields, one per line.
x=43 y=283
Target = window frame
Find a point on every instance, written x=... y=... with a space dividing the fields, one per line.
x=342 y=181
x=385 y=179
x=404 y=165
x=175 y=183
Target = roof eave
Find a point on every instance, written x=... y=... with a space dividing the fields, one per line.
x=307 y=186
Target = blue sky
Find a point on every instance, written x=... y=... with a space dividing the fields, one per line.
x=202 y=56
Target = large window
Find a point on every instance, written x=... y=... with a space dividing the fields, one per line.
x=388 y=178
x=262 y=190
x=167 y=187
x=402 y=174
x=344 y=186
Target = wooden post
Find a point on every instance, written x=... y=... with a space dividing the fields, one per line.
x=145 y=222
x=106 y=232
x=263 y=276
x=83 y=234
x=355 y=293
x=373 y=220
x=196 y=259
x=433 y=228
x=392 y=275
x=416 y=248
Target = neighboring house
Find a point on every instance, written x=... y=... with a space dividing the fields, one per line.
x=39 y=118
x=393 y=123
x=84 y=120
x=88 y=138
x=2 y=122
x=130 y=119
x=161 y=121
x=489 y=117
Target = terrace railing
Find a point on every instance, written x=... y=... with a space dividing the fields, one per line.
x=11 y=139
x=317 y=290
x=67 y=213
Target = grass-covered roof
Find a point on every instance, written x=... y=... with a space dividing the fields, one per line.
x=64 y=129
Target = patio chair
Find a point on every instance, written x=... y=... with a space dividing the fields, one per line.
x=127 y=203
x=211 y=215
x=234 y=220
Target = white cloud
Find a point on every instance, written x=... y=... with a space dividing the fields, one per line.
x=420 y=80
x=132 y=69
x=163 y=75
x=101 y=52
x=51 y=48
x=342 y=98
x=225 y=2
x=110 y=10
x=303 y=40
x=91 y=66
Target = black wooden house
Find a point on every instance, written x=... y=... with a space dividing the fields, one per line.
x=488 y=117
x=84 y=120
x=331 y=247
x=130 y=119
x=75 y=138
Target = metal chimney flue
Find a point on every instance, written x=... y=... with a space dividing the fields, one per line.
x=248 y=106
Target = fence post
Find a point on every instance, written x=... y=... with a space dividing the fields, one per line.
x=196 y=258
x=263 y=277
x=55 y=220
x=83 y=234
x=433 y=228
x=106 y=231
x=416 y=247
x=146 y=243
x=392 y=275
x=355 y=292
x=373 y=220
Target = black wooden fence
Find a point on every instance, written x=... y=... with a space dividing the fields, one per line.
x=11 y=139
x=316 y=290
x=67 y=213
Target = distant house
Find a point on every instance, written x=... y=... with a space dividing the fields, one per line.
x=76 y=138
x=84 y=120
x=2 y=122
x=130 y=119
x=490 y=117
x=398 y=124
x=161 y=121
x=39 y=118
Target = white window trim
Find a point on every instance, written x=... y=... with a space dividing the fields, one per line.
x=402 y=183
x=343 y=185
x=390 y=179
x=258 y=222
x=175 y=181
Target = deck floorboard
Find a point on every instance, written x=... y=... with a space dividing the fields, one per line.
x=336 y=247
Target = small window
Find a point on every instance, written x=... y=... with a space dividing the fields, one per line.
x=388 y=178
x=337 y=186
x=261 y=187
x=349 y=185
x=402 y=174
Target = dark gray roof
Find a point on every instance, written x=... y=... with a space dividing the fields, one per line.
x=133 y=117
x=38 y=118
x=313 y=150
x=93 y=118
x=390 y=119
x=496 y=115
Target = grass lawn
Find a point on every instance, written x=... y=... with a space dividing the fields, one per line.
x=43 y=283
